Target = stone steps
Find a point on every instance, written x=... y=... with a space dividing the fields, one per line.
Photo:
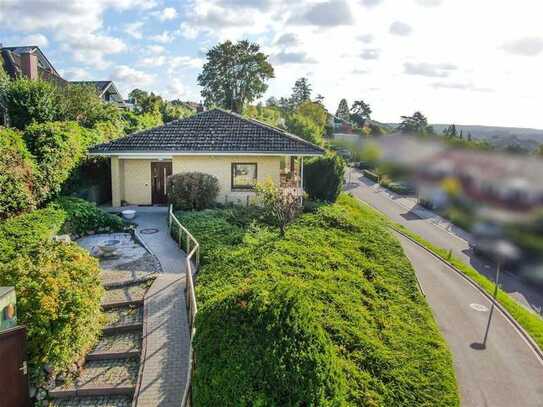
x=102 y=378
x=96 y=401
x=126 y=295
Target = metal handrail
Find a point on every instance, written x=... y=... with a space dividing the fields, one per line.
x=192 y=264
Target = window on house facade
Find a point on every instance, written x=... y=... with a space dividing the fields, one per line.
x=243 y=176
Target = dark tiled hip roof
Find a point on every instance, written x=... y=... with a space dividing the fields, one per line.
x=215 y=132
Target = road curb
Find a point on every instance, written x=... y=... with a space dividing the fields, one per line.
x=531 y=343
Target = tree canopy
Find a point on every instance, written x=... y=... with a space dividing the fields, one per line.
x=417 y=123
x=301 y=92
x=234 y=74
x=343 y=110
x=360 y=111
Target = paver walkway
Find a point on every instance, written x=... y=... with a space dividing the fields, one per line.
x=165 y=333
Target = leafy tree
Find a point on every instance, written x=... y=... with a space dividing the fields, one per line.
x=301 y=92
x=302 y=126
x=417 y=123
x=319 y=99
x=30 y=101
x=343 y=110
x=171 y=111
x=315 y=112
x=82 y=104
x=137 y=95
x=234 y=74
x=360 y=111
x=58 y=148
x=323 y=177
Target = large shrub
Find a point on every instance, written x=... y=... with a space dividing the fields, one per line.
x=17 y=172
x=83 y=216
x=323 y=177
x=58 y=299
x=192 y=190
x=276 y=351
x=30 y=102
x=20 y=235
x=58 y=148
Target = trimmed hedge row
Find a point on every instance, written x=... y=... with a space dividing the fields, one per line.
x=328 y=315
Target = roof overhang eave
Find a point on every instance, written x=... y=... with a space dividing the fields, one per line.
x=151 y=154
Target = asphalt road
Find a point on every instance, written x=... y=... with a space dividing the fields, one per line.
x=506 y=372
x=374 y=195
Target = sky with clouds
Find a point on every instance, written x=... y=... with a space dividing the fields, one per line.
x=461 y=61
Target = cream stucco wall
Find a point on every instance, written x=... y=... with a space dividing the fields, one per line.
x=268 y=167
x=131 y=178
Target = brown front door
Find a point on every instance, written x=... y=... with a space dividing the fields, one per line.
x=13 y=373
x=160 y=171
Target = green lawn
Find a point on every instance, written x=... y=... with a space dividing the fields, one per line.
x=328 y=315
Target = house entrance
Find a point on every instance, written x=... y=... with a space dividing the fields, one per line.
x=160 y=171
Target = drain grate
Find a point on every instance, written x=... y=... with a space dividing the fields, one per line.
x=149 y=231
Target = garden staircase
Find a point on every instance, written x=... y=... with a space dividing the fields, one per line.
x=110 y=373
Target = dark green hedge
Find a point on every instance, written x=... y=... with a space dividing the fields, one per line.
x=324 y=177
x=17 y=175
x=328 y=315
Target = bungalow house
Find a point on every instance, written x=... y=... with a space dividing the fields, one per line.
x=238 y=151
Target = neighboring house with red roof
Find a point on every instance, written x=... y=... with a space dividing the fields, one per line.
x=238 y=151
x=30 y=62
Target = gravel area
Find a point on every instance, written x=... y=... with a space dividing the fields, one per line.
x=121 y=277
x=129 y=293
x=121 y=342
x=124 y=316
x=99 y=401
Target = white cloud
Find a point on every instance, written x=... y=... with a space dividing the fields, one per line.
x=400 y=28
x=35 y=39
x=169 y=13
x=527 y=46
x=430 y=3
x=128 y=78
x=92 y=49
x=175 y=89
x=75 y=74
x=134 y=29
x=155 y=49
x=164 y=38
x=331 y=13
x=427 y=69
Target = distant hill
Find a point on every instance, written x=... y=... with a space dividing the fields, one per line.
x=501 y=137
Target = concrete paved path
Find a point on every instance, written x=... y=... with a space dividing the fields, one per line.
x=166 y=334
x=506 y=372
x=438 y=231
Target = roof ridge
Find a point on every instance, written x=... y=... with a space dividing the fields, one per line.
x=268 y=126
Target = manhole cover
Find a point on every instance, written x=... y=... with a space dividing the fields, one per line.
x=148 y=231
x=479 y=307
